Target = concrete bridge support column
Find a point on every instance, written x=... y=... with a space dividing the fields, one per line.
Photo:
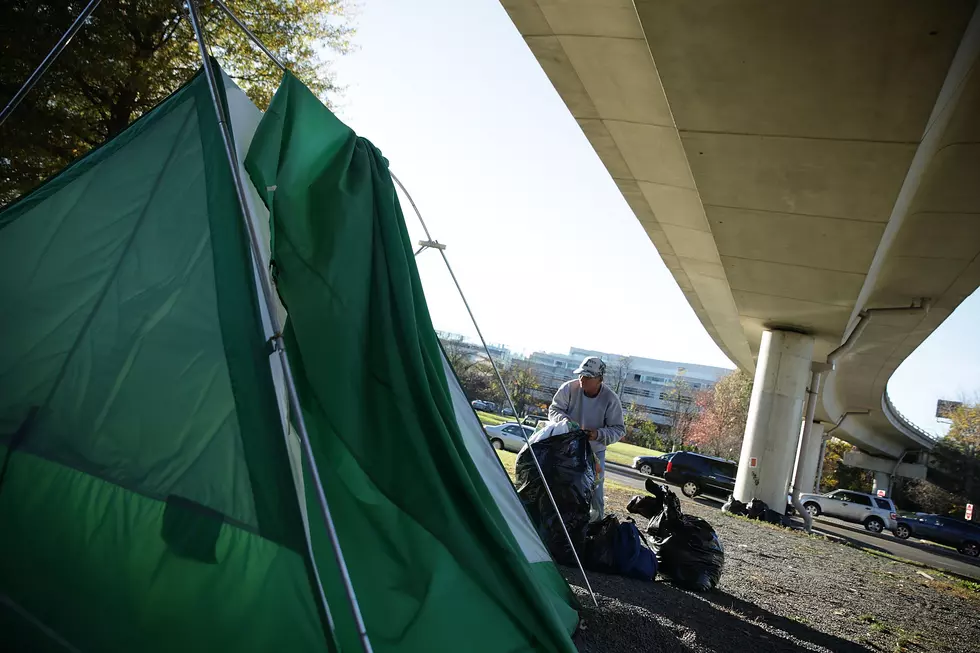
x=772 y=430
x=809 y=460
x=882 y=482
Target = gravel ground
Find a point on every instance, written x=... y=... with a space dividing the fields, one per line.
x=781 y=590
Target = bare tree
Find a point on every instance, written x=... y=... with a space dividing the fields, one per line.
x=617 y=377
x=679 y=398
x=459 y=353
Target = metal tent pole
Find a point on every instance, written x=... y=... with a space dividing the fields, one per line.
x=269 y=297
x=48 y=60
x=442 y=251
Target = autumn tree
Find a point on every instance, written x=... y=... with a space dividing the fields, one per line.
x=838 y=476
x=956 y=457
x=130 y=55
x=719 y=426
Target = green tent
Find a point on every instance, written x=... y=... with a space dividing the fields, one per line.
x=152 y=494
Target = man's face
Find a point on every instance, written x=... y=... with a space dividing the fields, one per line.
x=590 y=385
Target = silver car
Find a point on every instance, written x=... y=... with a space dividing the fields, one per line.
x=876 y=513
x=507 y=436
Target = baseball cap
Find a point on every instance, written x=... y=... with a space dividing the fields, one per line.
x=592 y=367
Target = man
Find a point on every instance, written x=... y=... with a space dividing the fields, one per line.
x=589 y=404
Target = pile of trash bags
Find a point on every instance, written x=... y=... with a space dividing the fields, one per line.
x=571 y=470
x=569 y=466
x=615 y=547
x=689 y=551
x=754 y=509
x=681 y=547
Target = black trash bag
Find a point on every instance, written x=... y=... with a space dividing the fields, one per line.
x=688 y=549
x=772 y=517
x=756 y=509
x=600 y=545
x=648 y=507
x=569 y=467
x=734 y=506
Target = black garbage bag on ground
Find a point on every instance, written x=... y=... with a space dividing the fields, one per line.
x=600 y=545
x=648 y=507
x=734 y=506
x=569 y=467
x=688 y=549
x=756 y=509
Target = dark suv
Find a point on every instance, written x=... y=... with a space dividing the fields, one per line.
x=942 y=530
x=698 y=474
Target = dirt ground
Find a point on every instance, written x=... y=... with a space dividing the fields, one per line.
x=781 y=590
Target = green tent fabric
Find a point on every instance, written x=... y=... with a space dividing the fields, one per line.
x=151 y=493
x=147 y=500
x=434 y=561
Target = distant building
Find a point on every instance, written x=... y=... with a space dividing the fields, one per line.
x=474 y=351
x=643 y=381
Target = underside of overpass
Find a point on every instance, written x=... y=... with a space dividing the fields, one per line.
x=794 y=164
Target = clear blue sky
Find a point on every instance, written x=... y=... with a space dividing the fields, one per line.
x=545 y=247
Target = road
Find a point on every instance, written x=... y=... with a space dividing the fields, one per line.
x=911 y=549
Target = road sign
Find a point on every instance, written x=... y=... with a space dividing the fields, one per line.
x=945 y=408
x=881 y=493
x=969 y=512
x=753 y=462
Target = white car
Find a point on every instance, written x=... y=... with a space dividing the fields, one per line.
x=508 y=436
x=876 y=513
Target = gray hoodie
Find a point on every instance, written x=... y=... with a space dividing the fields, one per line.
x=604 y=412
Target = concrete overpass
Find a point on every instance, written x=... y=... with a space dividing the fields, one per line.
x=795 y=165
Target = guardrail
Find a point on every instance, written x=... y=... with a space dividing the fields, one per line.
x=897 y=415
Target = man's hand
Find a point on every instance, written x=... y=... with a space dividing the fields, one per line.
x=593 y=434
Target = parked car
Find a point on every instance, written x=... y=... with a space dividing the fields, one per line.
x=507 y=412
x=652 y=465
x=876 y=513
x=941 y=530
x=485 y=406
x=507 y=436
x=700 y=474
x=532 y=420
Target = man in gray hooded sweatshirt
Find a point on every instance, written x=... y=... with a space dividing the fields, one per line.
x=587 y=403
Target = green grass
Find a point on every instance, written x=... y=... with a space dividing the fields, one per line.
x=623 y=454
x=489 y=419
x=509 y=460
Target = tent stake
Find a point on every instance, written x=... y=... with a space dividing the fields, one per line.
x=442 y=251
x=256 y=251
x=48 y=60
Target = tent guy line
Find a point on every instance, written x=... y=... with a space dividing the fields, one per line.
x=434 y=244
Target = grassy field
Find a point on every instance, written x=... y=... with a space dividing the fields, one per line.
x=623 y=454
x=489 y=419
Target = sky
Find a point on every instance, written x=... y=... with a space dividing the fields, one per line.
x=544 y=246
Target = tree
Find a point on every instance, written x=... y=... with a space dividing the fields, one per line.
x=719 y=426
x=957 y=456
x=521 y=382
x=679 y=398
x=837 y=475
x=929 y=497
x=458 y=353
x=129 y=56
x=633 y=417
x=617 y=377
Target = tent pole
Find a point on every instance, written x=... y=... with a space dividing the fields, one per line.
x=250 y=35
x=254 y=243
x=503 y=385
x=48 y=60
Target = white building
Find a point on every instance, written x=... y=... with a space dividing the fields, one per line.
x=644 y=381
